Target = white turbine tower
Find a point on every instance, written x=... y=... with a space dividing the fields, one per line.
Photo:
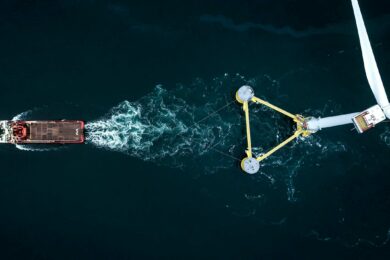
x=371 y=116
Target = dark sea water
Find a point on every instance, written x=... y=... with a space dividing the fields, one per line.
x=156 y=178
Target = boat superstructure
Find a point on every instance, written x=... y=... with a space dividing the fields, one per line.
x=42 y=132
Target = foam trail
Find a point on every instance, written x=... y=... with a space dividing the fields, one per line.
x=163 y=126
x=31 y=148
x=22 y=115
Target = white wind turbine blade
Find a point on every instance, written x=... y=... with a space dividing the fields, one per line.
x=372 y=72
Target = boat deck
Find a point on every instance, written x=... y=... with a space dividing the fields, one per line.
x=55 y=131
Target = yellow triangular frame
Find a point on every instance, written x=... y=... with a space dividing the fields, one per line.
x=298 y=119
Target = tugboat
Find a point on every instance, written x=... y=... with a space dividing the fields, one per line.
x=42 y=132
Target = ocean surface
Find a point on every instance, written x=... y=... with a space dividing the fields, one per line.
x=159 y=175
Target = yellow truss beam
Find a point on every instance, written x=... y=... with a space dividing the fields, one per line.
x=278 y=109
x=298 y=119
x=279 y=146
x=245 y=107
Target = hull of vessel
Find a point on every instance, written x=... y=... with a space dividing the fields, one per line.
x=42 y=132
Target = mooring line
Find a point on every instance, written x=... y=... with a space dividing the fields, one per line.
x=213 y=113
x=205 y=118
x=208 y=116
x=218 y=151
x=228 y=155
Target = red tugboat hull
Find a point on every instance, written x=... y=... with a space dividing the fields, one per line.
x=42 y=132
